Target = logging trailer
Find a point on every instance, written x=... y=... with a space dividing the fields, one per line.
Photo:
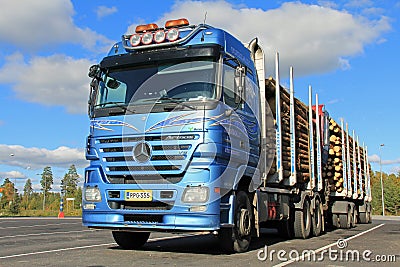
x=187 y=134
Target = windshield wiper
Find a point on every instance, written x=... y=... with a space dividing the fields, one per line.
x=176 y=101
x=117 y=104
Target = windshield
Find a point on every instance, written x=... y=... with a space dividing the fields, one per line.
x=155 y=84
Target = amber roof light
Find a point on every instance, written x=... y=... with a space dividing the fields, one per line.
x=176 y=23
x=146 y=28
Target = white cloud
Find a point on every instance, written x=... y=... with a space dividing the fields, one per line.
x=373 y=158
x=395 y=170
x=37 y=158
x=33 y=24
x=103 y=11
x=358 y=3
x=13 y=175
x=52 y=80
x=314 y=39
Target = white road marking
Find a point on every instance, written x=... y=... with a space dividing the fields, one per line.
x=17 y=219
x=35 y=225
x=54 y=250
x=328 y=246
x=90 y=246
x=52 y=233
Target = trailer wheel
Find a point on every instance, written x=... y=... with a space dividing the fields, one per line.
x=302 y=221
x=238 y=238
x=317 y=219
x=285 y=228
x=130 y=240
x=363 y=217
x=335 y=220
x=369 y=217
x=345 y=220
x=354 y=218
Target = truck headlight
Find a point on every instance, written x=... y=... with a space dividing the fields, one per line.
x=92 y=194
x=195 y=194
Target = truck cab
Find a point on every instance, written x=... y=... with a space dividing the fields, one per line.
x=174 y=142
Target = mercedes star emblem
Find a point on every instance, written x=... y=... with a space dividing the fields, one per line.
x=142 y=152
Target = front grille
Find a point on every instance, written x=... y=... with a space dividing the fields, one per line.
x=134 y=218
x=148 y=138
x=156 y=157
x=146 y=205
x=145 y=168
x=165 y=155
x=144 y=179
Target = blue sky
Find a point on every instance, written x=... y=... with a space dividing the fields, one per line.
x=347 y=50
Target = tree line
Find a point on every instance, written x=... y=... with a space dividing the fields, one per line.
x=15 y=202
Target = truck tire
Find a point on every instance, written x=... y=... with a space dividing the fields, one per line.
x=354 y=218
x=345 y=220
x=130 y=240
x=363 y=217
x=238 y=238
x=369 y=217
x=285 y=228
x=335 y=220
x=302 y=221
x=317 y=219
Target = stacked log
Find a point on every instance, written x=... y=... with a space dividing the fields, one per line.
x=333 y=170
x=302 y=157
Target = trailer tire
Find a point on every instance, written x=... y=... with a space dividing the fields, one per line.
x=363 y=217
x=130 y=240
x=238 y=238
x=369 y=217
x=317 y=219
x=335 y=220
x=302 y=221
x=345 y=220
x=285 y=228
x=354 y=218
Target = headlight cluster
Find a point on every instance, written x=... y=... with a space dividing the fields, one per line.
x=195 y=194
x=92 y=194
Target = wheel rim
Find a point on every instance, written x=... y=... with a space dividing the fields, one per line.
x=244 y=223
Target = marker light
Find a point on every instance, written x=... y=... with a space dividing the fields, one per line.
x=172 y=34
x=146 y=28
x=147 y=38
x=176 y=23
x=135 y=39
x=159 y=36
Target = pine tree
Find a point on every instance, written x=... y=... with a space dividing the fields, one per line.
x=46 y=182
x=28 y=188
x=47 y=179
x=69 y=183
x=28 y=191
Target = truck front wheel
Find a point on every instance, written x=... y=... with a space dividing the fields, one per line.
x=238 y=238
x=130 y=240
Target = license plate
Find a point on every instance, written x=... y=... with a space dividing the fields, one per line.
x=138 y=195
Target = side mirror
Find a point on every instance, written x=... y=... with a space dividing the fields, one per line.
x=239 y=84
x=93 y=71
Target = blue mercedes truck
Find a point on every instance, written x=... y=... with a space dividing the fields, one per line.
x=187 y=135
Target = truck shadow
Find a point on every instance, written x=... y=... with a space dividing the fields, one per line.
x=205 y=243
